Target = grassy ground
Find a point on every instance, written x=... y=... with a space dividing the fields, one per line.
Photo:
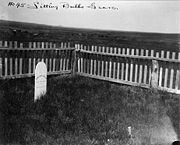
x=83 y=111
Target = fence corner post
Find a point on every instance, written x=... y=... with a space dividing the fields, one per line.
x=154 y=74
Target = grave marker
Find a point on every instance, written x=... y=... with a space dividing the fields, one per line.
x=40 y=80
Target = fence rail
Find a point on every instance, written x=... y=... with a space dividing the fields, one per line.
x=138 y=67
x=130 y=66
x=18 y=61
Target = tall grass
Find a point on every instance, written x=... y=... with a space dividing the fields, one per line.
x=79 y=110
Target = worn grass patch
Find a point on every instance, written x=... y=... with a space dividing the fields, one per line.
x=78 y=110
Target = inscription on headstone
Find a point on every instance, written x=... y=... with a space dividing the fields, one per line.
x=40 y=80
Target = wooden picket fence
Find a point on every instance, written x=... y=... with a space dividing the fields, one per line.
x=130 y=66
x=19 y=60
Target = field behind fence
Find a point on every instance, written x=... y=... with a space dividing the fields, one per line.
x=131 y=66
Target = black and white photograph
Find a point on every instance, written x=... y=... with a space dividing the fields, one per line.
x=84 y=72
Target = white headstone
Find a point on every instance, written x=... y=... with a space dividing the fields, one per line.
x=40 y=80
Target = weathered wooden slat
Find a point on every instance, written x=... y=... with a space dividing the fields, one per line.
x=82 y=59
x=21 y=45
x=110 y=63
x=172 y=73
x=102 y=63
x=34 y=44
x=20 y=66
x=131 y=67
x=1 y=43
x=46 y=61
x=166 y=71
x=29 y=68
x=11 y=66
x=145 y=68
x=118 y=65
x=161 y=70
x=15 y=44
x=6 y=66
x=34 y=65
x=1 y=70
x=54 y=64
x=127 y=66
x=136 y=67
x=50 y=64
x=5 y=44
x=30 y=44
x=141 y=67
x=106 y=68
x=10 y=44
x=98 y=63
x=177 y=83
x=16 y=66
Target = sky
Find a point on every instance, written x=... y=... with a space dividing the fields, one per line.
x=143 y=16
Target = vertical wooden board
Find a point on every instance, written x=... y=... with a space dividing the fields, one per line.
x=110 y=63
x=171 y=78
x=34 y=64
x=172 y=72
x=62 y=45
x=64 y=61
x=127 y=66
x=126 y=72
x=50 y=64
x=114 y=70
x=50 y=45
x=122 y=71
x=123 y=51
x=42 y=46
x=1 y=43
x=34 y=44
x=131 y=66
x=106 y=68
x=110 y=68
x=136 y=68
x=166 y=71
x=46 y=62
x=54 y=45
x=5 y=44
x=16 y=66
x=21 y=45
x=150 y=66
x=10 y=44
x=29 y=68
x=118 y=69
x=102 y=68
x=46 y=44
x=20 y=66
x=141 y=68
x=54 y=64
x=145 y=68
x=67 y=64
x=6 y=66
x=1 y=70
x=15 y=44
x=140 y=73
x=11 y=66
x=30 y=44
x=91 y=66
x=177 y=83
x=161 y=70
